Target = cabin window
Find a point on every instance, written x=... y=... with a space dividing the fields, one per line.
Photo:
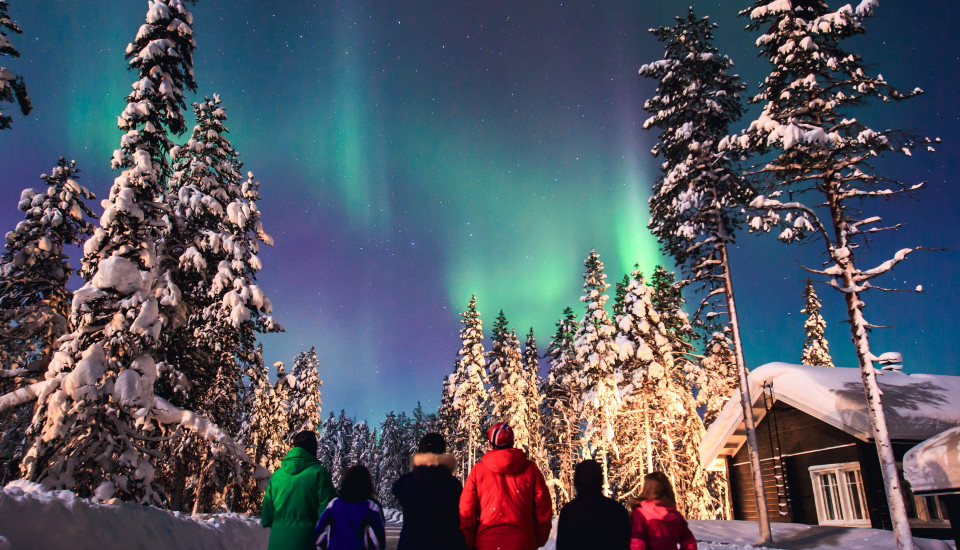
x=838 y=492
x=923 y=511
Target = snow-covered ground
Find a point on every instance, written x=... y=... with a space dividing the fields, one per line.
x=33 y=519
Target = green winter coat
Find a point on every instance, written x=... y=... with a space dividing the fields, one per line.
x=297 y=494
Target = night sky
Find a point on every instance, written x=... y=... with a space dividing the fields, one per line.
x=413 y=152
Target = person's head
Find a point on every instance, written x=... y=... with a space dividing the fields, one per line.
x=588 y=477
x=357 y=485
x=306 y=440
x=500 y=436
x=432 y=443
x=656 y=486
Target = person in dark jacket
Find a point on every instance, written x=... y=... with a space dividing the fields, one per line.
x=592 y=520
x=429 y=496
x=505 y=502
x=354 y=520
x=297 y=494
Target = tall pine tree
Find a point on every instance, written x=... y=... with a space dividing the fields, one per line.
x=696 y=201
x=597 y=355
x=470 y=401
x=561 y=405
x=818 y=170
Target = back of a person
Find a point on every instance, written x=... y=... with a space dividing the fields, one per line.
x=429 y=496
x=656 y=523
x=665 y=526
x=297 y=493
x=349 y=522
x=506 y=488
x=600 y=522
x=592 y=520
x=505 y=502
x=354 y=521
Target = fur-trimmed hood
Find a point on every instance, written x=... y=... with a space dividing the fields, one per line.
x=433 y=459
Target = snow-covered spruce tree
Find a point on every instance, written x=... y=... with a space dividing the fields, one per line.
x=329 y=448
x=34 y=300
x=510 y=391
x=278 y=433
x=447 y=419
x=470 y=399
x=695 y=204
x=305 y=401
x=391 y=456
x=658 y=406
x=817 y=174
x=816 y=349
x=98 y=414
x=420 y=425
x=719 y=380
x=12 y=88
x=597 y=356
x=359 y=444
x=257 y=428
x=533 y=400
x=561 y=409
x=211 y=253
x=345 y=440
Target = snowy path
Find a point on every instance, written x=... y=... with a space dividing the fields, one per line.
x=33 y=519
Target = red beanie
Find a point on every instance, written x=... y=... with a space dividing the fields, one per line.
x=501 y=435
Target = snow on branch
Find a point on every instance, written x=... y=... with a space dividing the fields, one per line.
x=886 y=266
x=27 y=393
x=169 y=414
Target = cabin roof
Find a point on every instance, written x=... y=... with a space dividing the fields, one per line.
x=934 y=465
x=916 y=406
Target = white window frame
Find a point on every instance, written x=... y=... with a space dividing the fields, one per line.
x=845 y=496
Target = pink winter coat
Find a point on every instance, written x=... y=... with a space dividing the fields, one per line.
x=658 y=527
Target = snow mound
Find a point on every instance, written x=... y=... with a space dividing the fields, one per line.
x=31 y=517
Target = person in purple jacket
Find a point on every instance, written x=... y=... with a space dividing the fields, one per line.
x=354 y=520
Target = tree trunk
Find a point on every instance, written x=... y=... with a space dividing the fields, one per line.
x=861 y=342
x=746 y=402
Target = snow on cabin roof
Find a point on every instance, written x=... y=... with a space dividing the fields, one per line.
x=934 y=465
x=917 y=406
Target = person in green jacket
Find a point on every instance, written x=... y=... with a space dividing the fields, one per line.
x=297 y=494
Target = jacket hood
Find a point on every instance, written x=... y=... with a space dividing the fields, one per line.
x=432 y=459
x=506 y=461
x=298 y=460
x=654 y=510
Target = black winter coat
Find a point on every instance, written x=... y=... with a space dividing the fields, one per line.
x=593 y=521
x=430 y=497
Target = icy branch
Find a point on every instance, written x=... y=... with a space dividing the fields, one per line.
x=27 y=393
x=887 y=265
x=169 y=414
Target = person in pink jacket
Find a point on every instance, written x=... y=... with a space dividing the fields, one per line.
x=657 y=525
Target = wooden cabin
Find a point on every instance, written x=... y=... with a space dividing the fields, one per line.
x=817 y=453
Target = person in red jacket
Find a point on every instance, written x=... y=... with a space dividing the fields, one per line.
x=505 y=502
x=657 y=525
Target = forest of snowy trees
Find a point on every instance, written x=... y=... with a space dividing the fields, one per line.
x=147 y=383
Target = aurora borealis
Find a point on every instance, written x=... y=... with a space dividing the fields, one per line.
x=411 y=153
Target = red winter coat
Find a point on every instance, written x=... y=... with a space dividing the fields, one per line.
x=657 y=527
x=505 y=503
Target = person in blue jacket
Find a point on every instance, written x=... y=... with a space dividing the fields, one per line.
x=354 y=520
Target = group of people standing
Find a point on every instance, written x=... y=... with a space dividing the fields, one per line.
x=503 y=505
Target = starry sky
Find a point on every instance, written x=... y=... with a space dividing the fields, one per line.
x=414 y=152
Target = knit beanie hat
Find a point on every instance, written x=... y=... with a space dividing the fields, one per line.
x=501 y=435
